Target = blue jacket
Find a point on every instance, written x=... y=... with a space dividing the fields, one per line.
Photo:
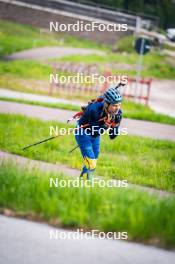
x=93 y=113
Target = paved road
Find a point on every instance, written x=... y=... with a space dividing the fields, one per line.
x=29 y=242
x=43 y=166
x=134 y=127
x=162 y=97
x=50 y=52
x=6 y=93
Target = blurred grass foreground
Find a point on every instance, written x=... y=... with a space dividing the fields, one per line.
x=146 y=218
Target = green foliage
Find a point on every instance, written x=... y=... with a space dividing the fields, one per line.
x=163 y=9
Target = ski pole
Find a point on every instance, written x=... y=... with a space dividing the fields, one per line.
x=39 y=142
x=73 y=149
x=47 y=139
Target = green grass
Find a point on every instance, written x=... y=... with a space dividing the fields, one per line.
x=27 y=69
x=30 y=69
x=25 y=75
x=99 y=59
x=168 y=47
x=125 y=44
x=130 y=110
x=136 y=159
x=142 y=112
x=17 y=37
x=146 y=218
x=154 y=64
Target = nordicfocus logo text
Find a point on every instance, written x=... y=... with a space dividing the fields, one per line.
x=95 y=182
x=62 y=131
x=93 y=234
x=81 y=78
x=81 y=26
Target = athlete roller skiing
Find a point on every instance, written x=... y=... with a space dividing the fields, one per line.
x=99 y=115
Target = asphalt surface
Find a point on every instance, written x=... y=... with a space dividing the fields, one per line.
x=10 y=94
x=50 y=52
x=134 y=127
x=26 y=242
x=162 y=97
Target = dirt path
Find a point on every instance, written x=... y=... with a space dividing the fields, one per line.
x=60 y=168
x=134 y=127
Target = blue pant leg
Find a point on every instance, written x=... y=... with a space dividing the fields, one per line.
x=86 y=146
x=96 y=146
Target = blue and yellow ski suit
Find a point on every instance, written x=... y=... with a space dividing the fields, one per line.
x=89 y=143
